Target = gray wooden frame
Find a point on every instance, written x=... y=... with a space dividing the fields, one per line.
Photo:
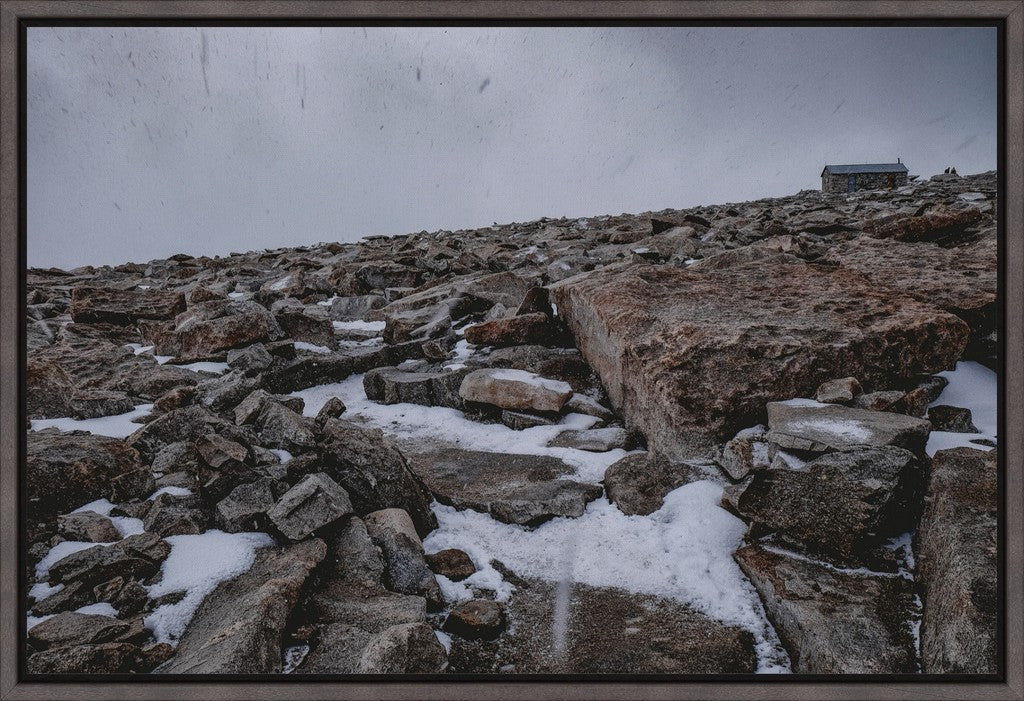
x=11 y=11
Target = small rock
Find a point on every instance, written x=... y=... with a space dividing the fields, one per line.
x=746 y=452
x=951 y=418
x=515 y=389
x=878 y=401
x=311 y=504
x=841 y=391
x=246 y=507
x=518 y=420
x=405 y=569
x=216 y=450
x=453 y=563
x=407 y=648
x=87 y=526
x=597 y=440
x=637 y=484
x=476 y=619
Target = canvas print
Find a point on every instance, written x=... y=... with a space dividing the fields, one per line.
x=504 y=350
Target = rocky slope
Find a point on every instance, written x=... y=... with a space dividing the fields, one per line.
x=692 y=442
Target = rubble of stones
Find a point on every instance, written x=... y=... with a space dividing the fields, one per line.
x=677 y=330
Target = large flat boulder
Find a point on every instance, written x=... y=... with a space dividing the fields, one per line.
x=809 y=426
x=238 y=627
x=833 y=621
x=521 y=489
x=691 y=357
x=958 y=564
x=605 y=631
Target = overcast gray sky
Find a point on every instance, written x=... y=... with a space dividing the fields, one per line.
x=145 y=142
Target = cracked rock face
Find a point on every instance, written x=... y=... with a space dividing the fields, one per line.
x=689 y=357
x=833 y=621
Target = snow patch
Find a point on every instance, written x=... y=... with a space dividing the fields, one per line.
x=312 y=347
x=116 y=426
x=196 y=565
x=359 y=325
x=682 y=551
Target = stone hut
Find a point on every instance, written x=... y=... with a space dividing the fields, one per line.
x=866 y=176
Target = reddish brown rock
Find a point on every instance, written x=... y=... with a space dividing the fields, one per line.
x=83 y=467
x=688 y=357
x=108 y=305
x=529 y=329
x=48 y=389
x=451 y=563
x=941 y=223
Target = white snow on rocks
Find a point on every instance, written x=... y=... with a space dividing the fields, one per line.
x=117 y=426
x=971 y=386
x=532 y=379
x=125 y=525
x=312 y=347
x=359 y=325
x=682 y=551
x=422 y=423
x=196 y=565
x=847 y=430
x=206 y=366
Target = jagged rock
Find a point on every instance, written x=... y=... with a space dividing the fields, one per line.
x=598 y=440
x=238 y=627
x=841 y=391
x=408 y=648
x=245 y=508
x=535 y=328
x=211 y=328
x=129 y=486
x=883 y=400
x=216 y=450
x=175 y=515
x=951 y=418
x=521 y=489
x=451 y=563
x=314 y=502
x=308 y=371
x=107 y=305
x=936 y=225
x=71 y=628
x=189 y=423
x=72 y=596
x=352 y=606
x=93 y=404
x=537 y=300
x=137 y=556
x=745 y=452
x=607 y=631
x=405 y=569
x=87 y=526
x=225 y=392
x=374 y=472
x=476 y=619
x=957 y=566
x=82 y=465
x=841 y=504
x=333 y=408
x=518 y=420
x=303 y=327
x=354 y=308
x=250 y=360
x=48 y=389
x=637 y=484
x=515 y=389
x=833 y=621
x=718 y=345
x=177 y=456
x=281 y=427
x=818 y=428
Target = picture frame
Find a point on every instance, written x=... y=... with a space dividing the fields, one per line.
x=15 y=15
